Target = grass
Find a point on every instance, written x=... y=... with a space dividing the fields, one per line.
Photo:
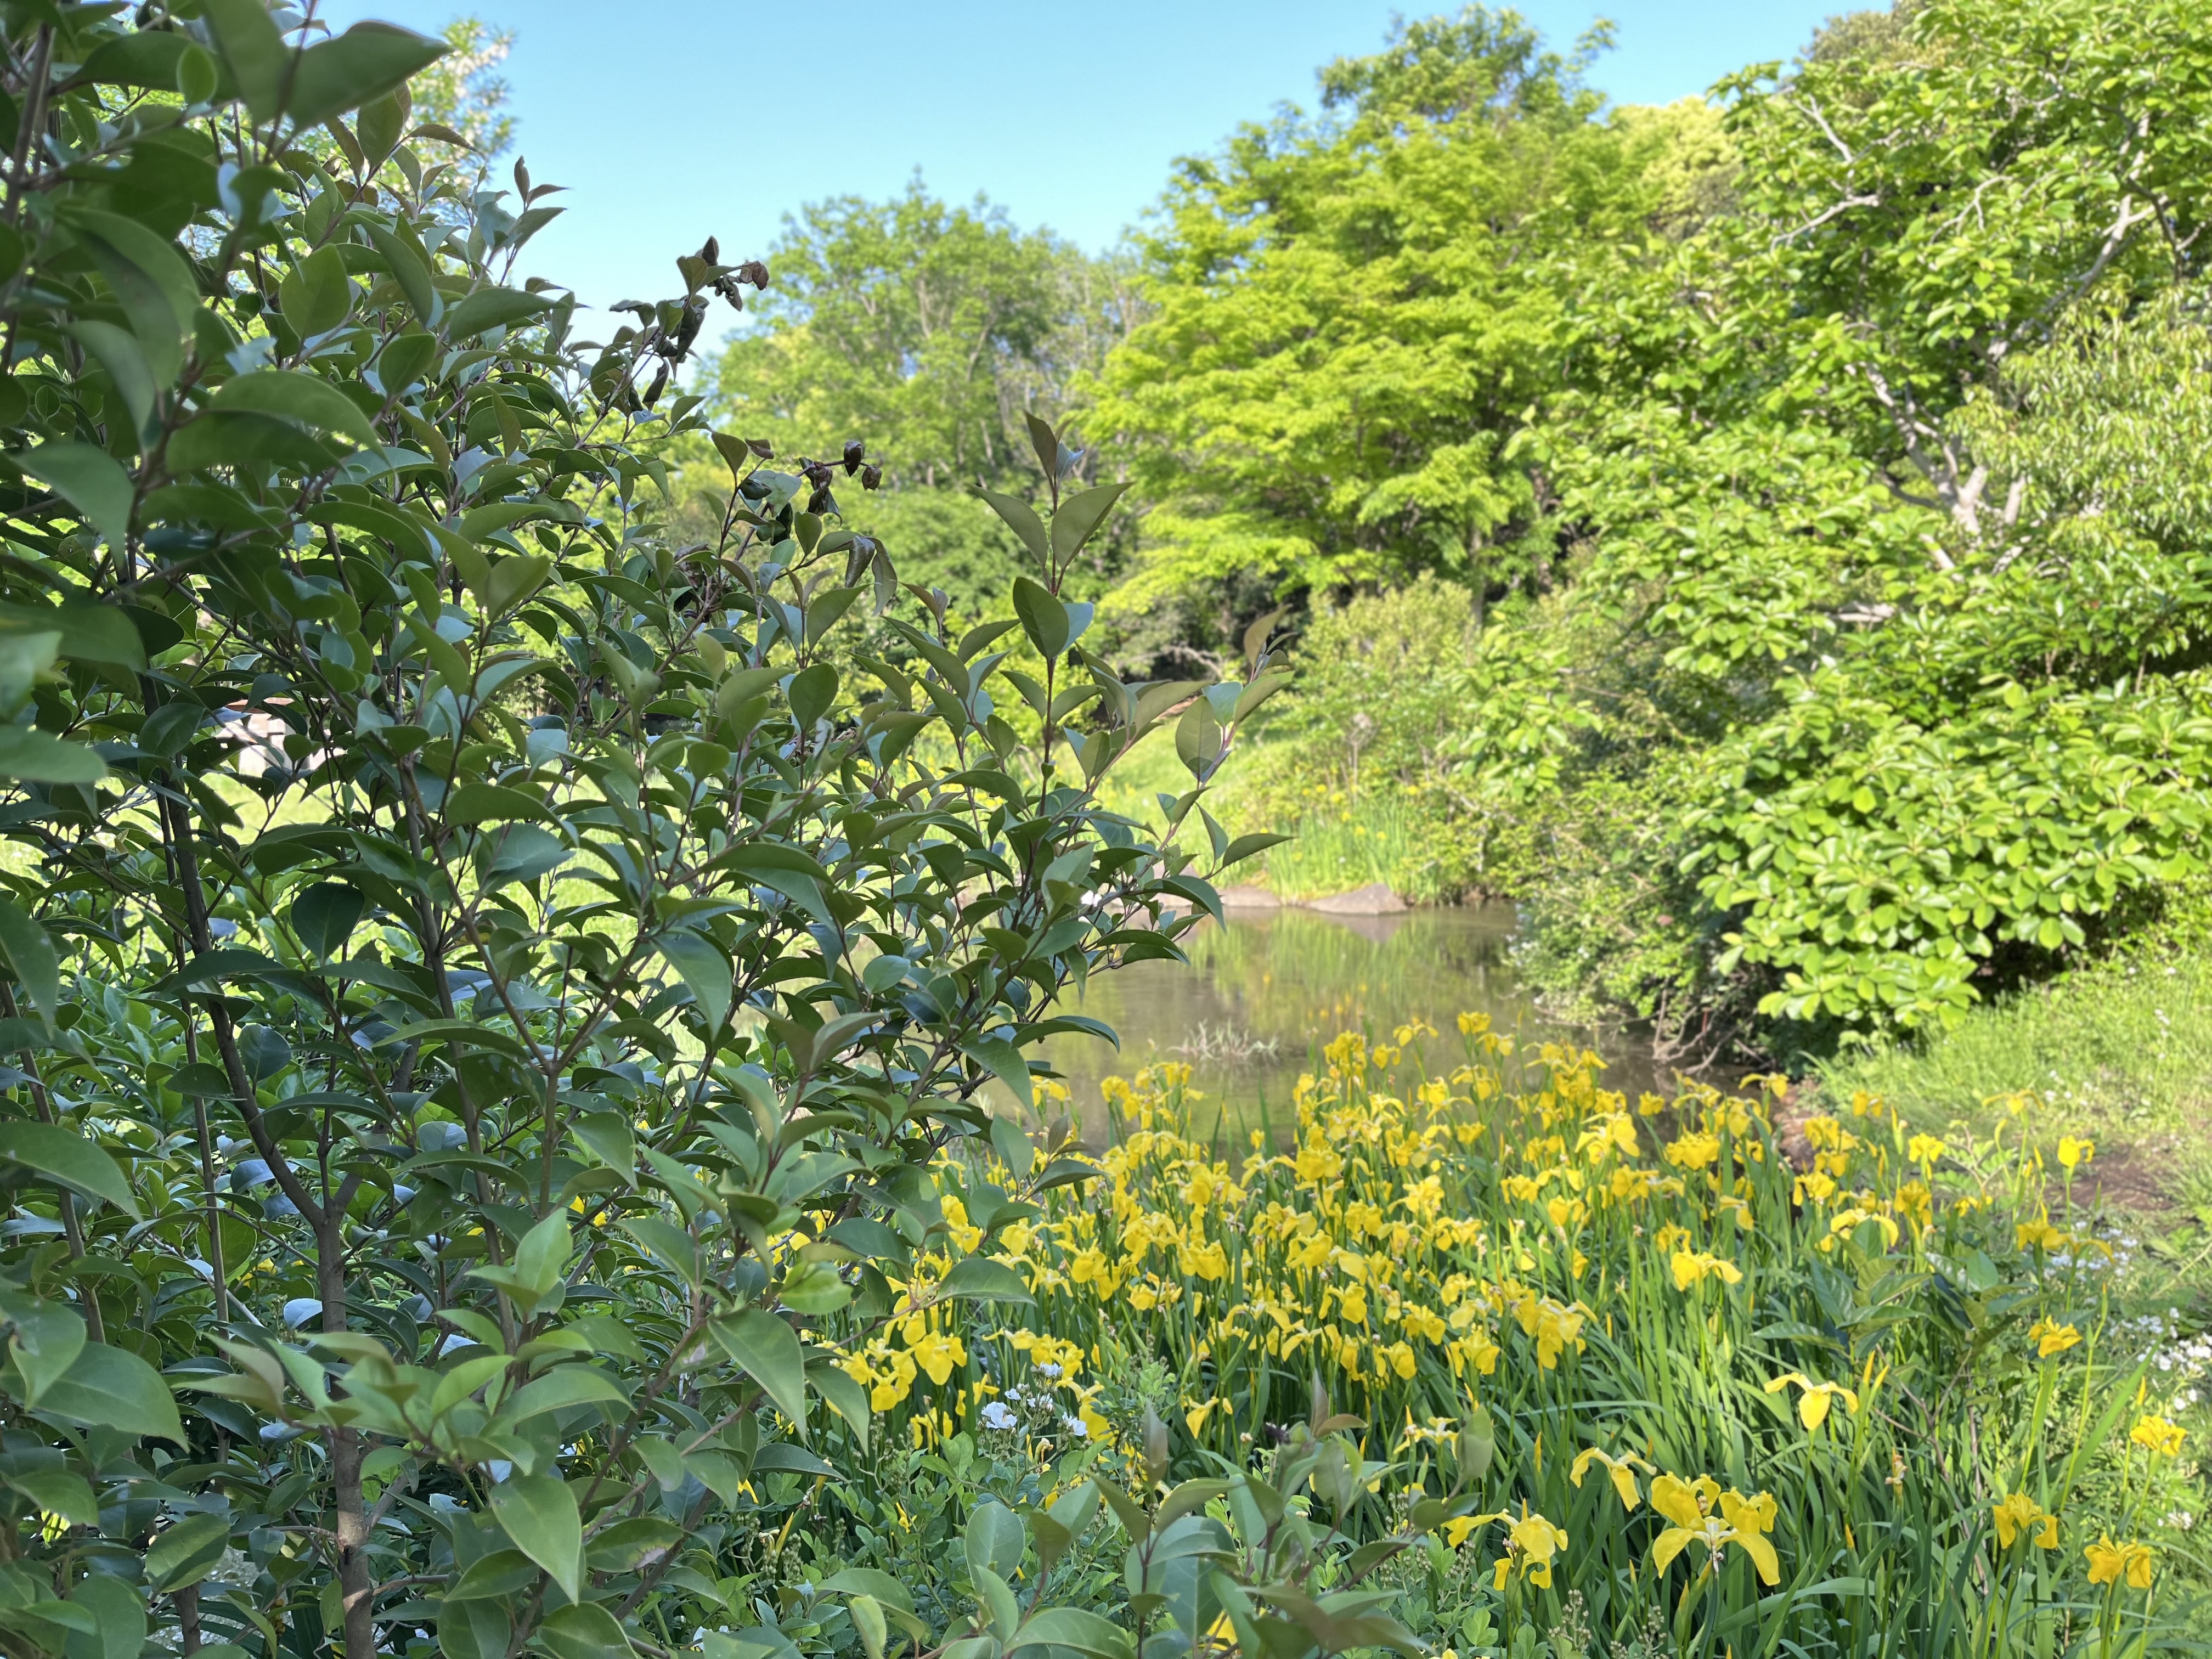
x=1149 y=770
x=1374 y=838
x=1373 y=841
x=2121 y=1052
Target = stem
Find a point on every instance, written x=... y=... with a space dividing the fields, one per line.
x=215 y=1262
x=34 y=117
x=89 y=1298
x=187 y=1602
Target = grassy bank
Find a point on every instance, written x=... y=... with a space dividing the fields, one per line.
x=2121 y=1052
x=1340 y=844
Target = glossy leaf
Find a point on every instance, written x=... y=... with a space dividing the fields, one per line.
x=539 y=1513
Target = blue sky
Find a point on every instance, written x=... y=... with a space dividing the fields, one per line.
x=670 y=119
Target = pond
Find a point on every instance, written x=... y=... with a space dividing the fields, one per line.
x=1260 y=995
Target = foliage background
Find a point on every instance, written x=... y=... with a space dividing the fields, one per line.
x=1764 y=536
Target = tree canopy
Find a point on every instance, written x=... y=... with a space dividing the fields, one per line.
x=1749 y=414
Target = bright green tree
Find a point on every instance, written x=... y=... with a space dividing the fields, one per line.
x=1865 y=449
x=944 y=326
x=1855 y=518
x=941 y=323
x=1354 y=312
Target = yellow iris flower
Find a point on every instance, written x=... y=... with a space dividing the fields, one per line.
x=2039 y=1235
x=2021 y=1513
x=1743 y=1522
x=2050 y=1337
x=936 y=1352
x=1693 y=1267
x=955 y=1223
x=1531 y=1542
x=2109 y=1563
x=2159 y=1437
x=1814 y=1402
x=1622 y=1471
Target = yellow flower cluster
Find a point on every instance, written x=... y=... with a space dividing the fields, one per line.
x=1423 y=1245
x=1406 y=1237
x=1702 y=1513
x=887 y=1370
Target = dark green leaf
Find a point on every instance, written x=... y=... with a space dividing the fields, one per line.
x=65 y=1156
x=187 y=1551
x=813 y=691
x=90 y=480
x=1044 y=618
x=1079 y=516
x=978 y=1278
x=306 y=398
x=414 y=352
x=1005 y=1062
x=366 y=62
x=219 y=438
x=45 y=1342
x=314 y=293
x=109 y=1387
x=151 y=280
x=1074 y=1628
x=57 y=1491
x=27 y=950
x=324 y=917
x=119 y=1618
x=36 y=757
x=253 y=50
x=585 y=1631
x=89 y=633
x=704 y=970
x=538 y=1512
x=1021 y=517
x=491 y=308
x=768 y=1349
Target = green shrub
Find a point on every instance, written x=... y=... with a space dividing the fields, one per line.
x=482 y=985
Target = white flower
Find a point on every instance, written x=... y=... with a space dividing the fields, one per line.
x=996 y=1415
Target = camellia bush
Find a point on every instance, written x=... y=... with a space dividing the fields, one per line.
x=482 y=985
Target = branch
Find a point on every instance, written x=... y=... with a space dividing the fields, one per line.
x=1818 y=220
x=1821 y=121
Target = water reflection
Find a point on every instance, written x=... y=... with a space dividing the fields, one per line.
x=1259 y=996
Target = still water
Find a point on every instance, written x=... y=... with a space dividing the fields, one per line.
x=1260 y=995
